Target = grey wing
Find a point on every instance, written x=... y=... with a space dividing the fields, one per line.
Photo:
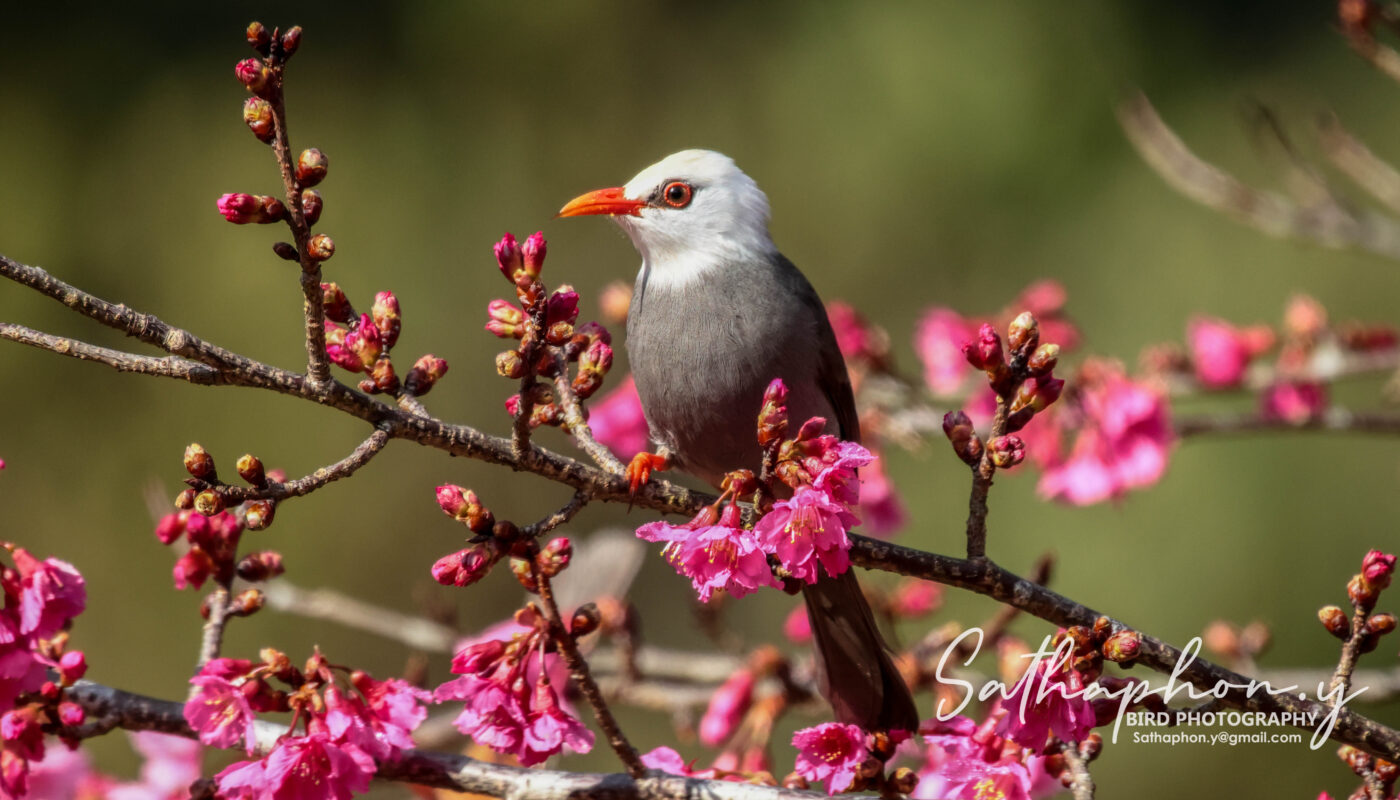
x=832 y=377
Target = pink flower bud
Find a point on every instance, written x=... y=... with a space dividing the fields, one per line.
x=915 y=598
x=387 y=317
x=260 y=566
x=1377 y=567
x=453 y=500
x=71 y=714
x=984 y=352
x=339 y=352
x=727 y=707
x=505 y=320
x=533 y=252
x=257 y=115
x=463 y=567
x=1219 y=352
x=1295 y=402
x=240 y=209
x=597 y=358
x=72 y=667
x=291 y=40
x=255 y=75
x=364 y=341
x=258 y=38
x=555 y=556
x=563 y=307
x=797 y=627
x=311 y=167
x=170 y=527
x=508 y=257
x=1007 y=451
x=513 y=405
x=811 y=429
x=776 y=393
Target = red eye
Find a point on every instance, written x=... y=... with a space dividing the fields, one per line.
x=677 y=194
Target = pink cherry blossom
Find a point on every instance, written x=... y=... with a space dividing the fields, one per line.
x=727 y=708
x=1294 y=402
x=220 y=713
x=723 y=556
x=938 y=340
x=807 y=529
x=51 y=593
x=1221 y=352
x=668 y=760
x=830 y=752
x=309 y=767
x=970 y=762
x=617 y=421
x=549 y=729
x=1123 y=441
x=1046 y=700
x=880 y=505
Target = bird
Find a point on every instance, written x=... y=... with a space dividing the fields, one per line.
x=717 y=313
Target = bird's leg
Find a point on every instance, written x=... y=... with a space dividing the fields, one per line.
x=643 y=464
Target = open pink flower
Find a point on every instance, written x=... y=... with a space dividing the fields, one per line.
x=1045 y=701
x=220 y=713
x=51 y=593
x=830 y=752
x=807 y=529
x=549 y=729
x=1123 y=442
x=879 y=501
x=617 y=421
x=171 y=764
x=668 y=760
x=965 y=761
x=309 y=767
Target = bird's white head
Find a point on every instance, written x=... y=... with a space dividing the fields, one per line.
x=687 y=214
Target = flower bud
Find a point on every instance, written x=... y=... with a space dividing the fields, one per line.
x=957 y=426
x=904 y=780
x=587 y=383
x=72 y=667
x=1007 y=451
x=199 y=463
x=255 y=75
x=387 y=317
x=510 y=365
x=321 y=247
x=1123 y=647
x=524 y=575
x=597 y=358
x=773 y=417
x=810 y=429
x=247 y=603
x=554 y=557
x=1361 y=593
x=172 y=526
x=291 y=40
x=185 y=499
x=338 y=351
x=532 y=253
x=463 y=567
x=505 y=320
x=513 y=405
x=563 y=307
x=311 y=167
x=1336 y=622
x=1377 y=567
x=286 y=251
x=1042 y=362
x=257 y=115
x=336 y=305
x=250 y=469
x=453 y=500
x=259 y=514
x=1023 y=334
x=259 y=39
x=508 y=257
x=259 y=566
x=239 y=208
x=984 y=352
x=71 y=714
x=364 y=341
x=311 y=205
x=425 y=374
x=1380 y=624
x=585 y=620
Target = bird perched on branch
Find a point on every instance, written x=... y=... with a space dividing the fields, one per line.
x=717 y=313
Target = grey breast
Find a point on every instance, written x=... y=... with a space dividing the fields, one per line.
x=703 y=354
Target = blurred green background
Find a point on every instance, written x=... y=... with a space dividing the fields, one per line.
x=914 y=154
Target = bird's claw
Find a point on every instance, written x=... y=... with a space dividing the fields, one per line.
x=640 y=468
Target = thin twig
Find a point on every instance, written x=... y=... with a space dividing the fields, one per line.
x=981 y=485
x=332 y=606
x=578 y=670
x=168 y=367
x=1356 y=161
x=1346 y=662
x=213 y=639
x=108 y=709
x=1082 y=786
x=577 y=425
x=307 y=484
x=565 y=513
x=1333 y=420
x=1326 y=222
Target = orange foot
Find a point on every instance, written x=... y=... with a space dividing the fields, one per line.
x=642 y=465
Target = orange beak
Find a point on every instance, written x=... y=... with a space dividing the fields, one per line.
x=603 y=201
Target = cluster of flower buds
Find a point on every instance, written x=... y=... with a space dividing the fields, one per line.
x=1368 y=768
x=41 y=600
x=545 y=324
x=1021 y=375
x=359 y=342
x=205 y=494
x=350 y=720
x=490 y=540
x=1363 y=590
x=507 y=686
x=1101 y=642
x=547 y=561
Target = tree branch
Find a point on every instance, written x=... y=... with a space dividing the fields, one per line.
x=1335 y=420
x=305 y=485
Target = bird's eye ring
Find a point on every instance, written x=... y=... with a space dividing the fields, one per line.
x=677 y=194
